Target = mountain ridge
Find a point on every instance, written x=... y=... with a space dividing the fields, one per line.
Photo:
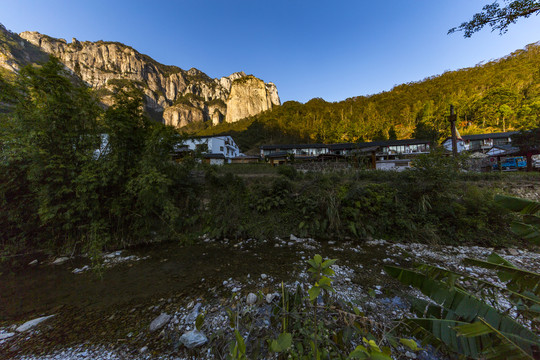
x=105 y=64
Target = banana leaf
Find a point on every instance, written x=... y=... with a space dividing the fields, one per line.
x=463 y=304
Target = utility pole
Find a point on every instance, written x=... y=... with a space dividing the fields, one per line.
x=452 y=118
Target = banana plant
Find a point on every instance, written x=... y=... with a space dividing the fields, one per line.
x=466 y=324
x=529 y=226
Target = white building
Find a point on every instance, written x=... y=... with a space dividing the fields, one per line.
x=213 y=147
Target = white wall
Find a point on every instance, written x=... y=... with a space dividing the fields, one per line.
x=216 y=145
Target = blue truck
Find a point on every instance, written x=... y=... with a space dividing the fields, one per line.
x=512 y=163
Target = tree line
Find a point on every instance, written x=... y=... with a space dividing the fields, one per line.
x=76 y=177
x=498 y=96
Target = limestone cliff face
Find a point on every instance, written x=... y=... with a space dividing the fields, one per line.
x=182 y=97
x=250 y=96
x=181 y=115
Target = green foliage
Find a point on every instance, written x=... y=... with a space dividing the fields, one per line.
x=302 y=327
x=529 y=227
x=74 y=178
x=465 y=323
x=496 y=96
x=497 y=17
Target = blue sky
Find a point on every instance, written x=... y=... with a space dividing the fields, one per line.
x=329 y=49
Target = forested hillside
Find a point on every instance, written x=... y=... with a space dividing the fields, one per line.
x=496 y=96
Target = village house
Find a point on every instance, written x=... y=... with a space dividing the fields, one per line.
x=389 y=153
x=215 y=150
x=480 y=142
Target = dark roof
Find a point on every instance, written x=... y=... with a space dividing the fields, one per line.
x=487 y=136
x=344 y=146
x=350 y=146
x=293 y=146
x=508 y=149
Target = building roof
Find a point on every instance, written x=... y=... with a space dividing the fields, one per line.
x=486 y=136
x=346 y=146
x=361 y=145
x=507 y=149
x=293 y=146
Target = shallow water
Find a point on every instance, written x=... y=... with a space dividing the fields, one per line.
x=169 y=269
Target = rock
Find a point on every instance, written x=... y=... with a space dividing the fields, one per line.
x=60 y=260
x=190 y=319
x=182 y=114
x=294 y=238
x=249 y=96
x=410 y=355
x=6 y=335
x=81 y=270
x=270 y=298
x=159 y=322
x=264 y=276
x=193 y=339
x=191 y=95
x=34 y=262
x=32 y=323
x=512 y=252
x=143 y=349
x=251 y=299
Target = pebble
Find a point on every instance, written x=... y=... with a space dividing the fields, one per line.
x=34 y=262
x=264 y=276
x=251 y=299
x=159 y=322
x=60 y=260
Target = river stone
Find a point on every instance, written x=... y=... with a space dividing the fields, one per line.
x=512 y=252
x=33 y=262
x=32 y=323
x=264 y=276
x=60 y=260
x=193 y=314
x=251 y=299
x=159 y=322
x=193 y=339
x=270 y=298
x=6 y=335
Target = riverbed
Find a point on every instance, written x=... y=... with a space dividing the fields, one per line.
x=107 y=314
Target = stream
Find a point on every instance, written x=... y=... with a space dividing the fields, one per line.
x=112 y=310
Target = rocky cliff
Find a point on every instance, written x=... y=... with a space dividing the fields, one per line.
x=180 y=97
x=250 y=96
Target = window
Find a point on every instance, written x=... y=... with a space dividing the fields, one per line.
x=221 y=148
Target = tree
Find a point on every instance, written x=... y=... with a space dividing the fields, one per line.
x=497 y=17
x=48 y=136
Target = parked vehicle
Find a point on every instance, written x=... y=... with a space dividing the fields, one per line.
x=512 y=163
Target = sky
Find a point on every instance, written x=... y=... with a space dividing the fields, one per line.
x=328 y=49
